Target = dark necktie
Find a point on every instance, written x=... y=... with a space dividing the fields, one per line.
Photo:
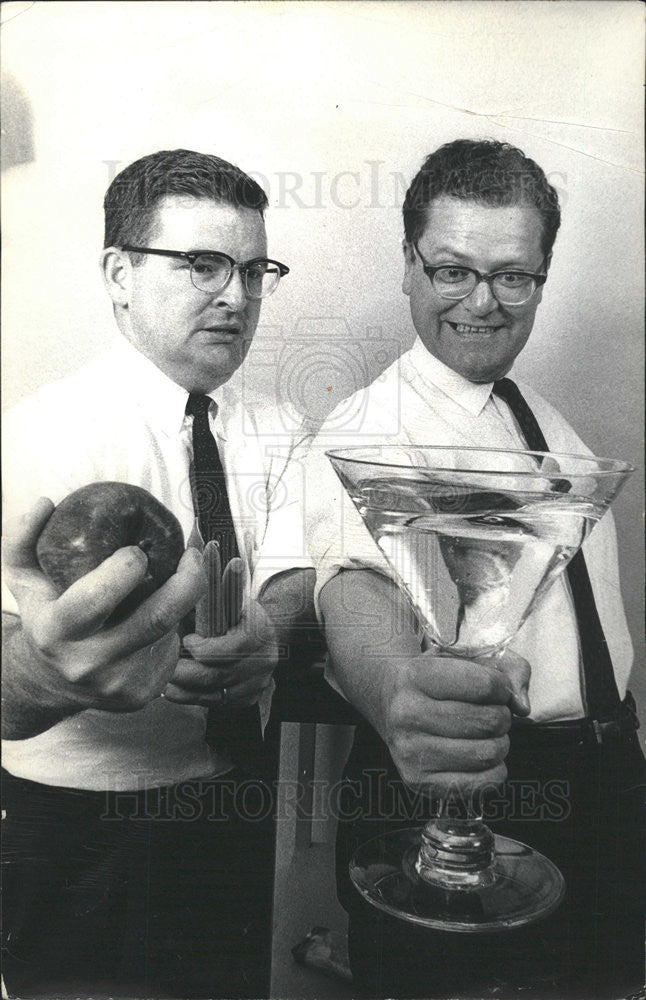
x=601 y=689
x=208 y=483
x=234 y=731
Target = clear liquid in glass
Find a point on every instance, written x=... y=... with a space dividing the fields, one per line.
x=473 y=561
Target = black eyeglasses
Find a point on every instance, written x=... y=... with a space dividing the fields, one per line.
x=211 y=270
x=509 y=287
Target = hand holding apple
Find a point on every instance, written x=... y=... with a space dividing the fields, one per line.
x=62 y=657
x=90 y=525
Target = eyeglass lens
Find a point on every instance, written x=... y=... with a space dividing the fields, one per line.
x=211 y=273
x=509 y=288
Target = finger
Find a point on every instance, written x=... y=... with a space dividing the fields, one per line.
x=466 y=756
x=162 y=656
x=455 y=720
x=458 y=785
x=419 y=761
x=83 y=608
x=209 y=611
x=160 y=613
x=22 y=571
x=186 y=696
x=233 y=591
x=143 y=675
x=21 y=535
x=239 y=642
x=249 y=689
x=246 y=693
x=196 y=676
x=234 y=701
x=251 y=671
x=183 y=697
x=446 y=678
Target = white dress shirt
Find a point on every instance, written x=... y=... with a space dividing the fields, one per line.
x=120 y=418
x=419 y=401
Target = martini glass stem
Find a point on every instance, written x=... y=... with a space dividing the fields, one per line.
x=456 y=852
x=457 y=848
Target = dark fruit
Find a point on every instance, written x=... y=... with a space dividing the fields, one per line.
x=93 y=522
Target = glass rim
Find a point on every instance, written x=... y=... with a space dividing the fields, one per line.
x=615 y=466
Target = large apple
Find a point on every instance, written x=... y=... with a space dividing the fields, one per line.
x=93 y=522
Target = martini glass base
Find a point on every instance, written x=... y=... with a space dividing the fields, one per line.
x=525 y=886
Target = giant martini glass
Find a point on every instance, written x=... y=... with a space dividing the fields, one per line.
x=474 y=537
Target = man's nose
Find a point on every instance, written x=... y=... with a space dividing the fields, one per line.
x=481 y=300
x=234 y=294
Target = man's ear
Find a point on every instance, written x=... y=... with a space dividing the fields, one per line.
x=538 y=297
x=116 y=269
x=409 y=263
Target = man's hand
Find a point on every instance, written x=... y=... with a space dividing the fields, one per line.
x=242 y=661
x=234 y=649
x=445 y=721
x=60 y=659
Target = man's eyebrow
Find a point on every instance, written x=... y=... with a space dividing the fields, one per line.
x=448 y=252
x=507 y=264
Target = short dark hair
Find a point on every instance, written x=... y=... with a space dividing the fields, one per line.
x=484 y=170
x=133 y=196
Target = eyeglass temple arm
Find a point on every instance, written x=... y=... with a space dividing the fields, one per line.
x=192 y=255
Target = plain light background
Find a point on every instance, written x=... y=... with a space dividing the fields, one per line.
x=332 y=107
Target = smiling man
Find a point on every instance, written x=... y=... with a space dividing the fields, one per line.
x=480 y=222
x=476 y=323
x=131 y=867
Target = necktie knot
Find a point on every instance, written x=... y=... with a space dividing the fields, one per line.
x=198 y=405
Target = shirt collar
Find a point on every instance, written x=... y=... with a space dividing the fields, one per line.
x=472 y=396
x=162 y=400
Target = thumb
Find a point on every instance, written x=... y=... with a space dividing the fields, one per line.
x=518 y=672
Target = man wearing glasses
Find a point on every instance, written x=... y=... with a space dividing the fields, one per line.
x=131 y=866
x=480 y=222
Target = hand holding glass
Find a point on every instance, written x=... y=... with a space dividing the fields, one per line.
x=474 y=537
